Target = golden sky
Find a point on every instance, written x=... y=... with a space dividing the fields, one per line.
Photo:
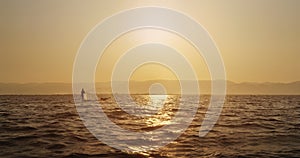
x=258 y=40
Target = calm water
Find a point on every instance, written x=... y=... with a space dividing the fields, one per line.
x=249 y=126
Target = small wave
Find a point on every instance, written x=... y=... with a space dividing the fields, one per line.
x=56 y=146
x=25 y=138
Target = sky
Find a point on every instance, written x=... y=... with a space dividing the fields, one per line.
x=259 y=40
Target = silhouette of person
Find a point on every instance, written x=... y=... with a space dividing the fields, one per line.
x=82 y=93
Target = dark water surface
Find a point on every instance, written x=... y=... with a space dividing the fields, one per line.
x=249 y=126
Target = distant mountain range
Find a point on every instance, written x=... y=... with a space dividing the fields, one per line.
x=142 y=87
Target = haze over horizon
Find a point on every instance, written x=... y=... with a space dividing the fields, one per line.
x=158 y=80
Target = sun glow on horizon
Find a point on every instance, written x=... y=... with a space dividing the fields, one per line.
x=139 y=37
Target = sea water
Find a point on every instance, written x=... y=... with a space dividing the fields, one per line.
x=249 y=126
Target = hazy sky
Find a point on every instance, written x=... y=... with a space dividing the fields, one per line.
x=259 y=40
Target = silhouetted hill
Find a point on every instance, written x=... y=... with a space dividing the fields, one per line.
x=142 y=87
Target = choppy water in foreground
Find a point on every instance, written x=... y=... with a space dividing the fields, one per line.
x=249 y=126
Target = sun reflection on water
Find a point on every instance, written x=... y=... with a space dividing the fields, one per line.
x=164 y=105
